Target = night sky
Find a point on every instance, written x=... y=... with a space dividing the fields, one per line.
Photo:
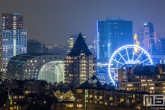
x=51 y=21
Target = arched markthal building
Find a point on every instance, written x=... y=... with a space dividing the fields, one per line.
x=47 y=67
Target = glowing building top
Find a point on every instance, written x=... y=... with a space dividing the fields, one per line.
x=114 y=19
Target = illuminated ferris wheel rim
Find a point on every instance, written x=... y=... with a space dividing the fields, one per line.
x=126 y=47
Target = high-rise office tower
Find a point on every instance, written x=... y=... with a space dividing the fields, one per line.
x=112 y=34
x=79 y=63
x=13 y=38
x=162 y=45
x=72 y=40
x=157 y=39
x=149 y=37
x=146 y=35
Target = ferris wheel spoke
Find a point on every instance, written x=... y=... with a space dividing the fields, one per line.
x=139 y=56
x=145 y=60
x=133 y=56
x=122 y=57
x=113 y=76
x=127 y=54
x=117 y=61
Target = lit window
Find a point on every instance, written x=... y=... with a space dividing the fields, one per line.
x=144 y=84
x=129 y=84
x=70 y=105
x=110 y=98
x=143 y=80
x=79 y=90
x=152 y=88
x=15 y=97
x=79 y=105
x=151 y=84
x=149 y=80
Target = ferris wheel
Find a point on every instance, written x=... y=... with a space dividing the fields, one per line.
x=129 y=54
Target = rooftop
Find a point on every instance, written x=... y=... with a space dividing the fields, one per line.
x=25 y=57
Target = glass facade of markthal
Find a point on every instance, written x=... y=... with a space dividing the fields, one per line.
x=52 y=71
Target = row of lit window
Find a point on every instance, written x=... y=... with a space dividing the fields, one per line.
x=30 y=70
x=18 y=97
x=150 y=84
x=144 y=80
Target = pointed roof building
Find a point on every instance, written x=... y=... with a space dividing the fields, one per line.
x=80 y=46
x=79 y=63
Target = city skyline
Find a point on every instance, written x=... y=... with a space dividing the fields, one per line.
x=47 y=21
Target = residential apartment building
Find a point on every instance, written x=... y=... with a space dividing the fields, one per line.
x=79 y=63
x=13 y=39
x=142 y=78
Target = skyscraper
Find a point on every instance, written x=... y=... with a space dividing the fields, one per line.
x=79 y=63
x=112 y=34
x=163 y=45
x=149 y=35
x=146 y=37
x=157 y=39
x=13 y=38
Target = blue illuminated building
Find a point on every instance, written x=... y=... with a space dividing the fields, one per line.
x=112 y=34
